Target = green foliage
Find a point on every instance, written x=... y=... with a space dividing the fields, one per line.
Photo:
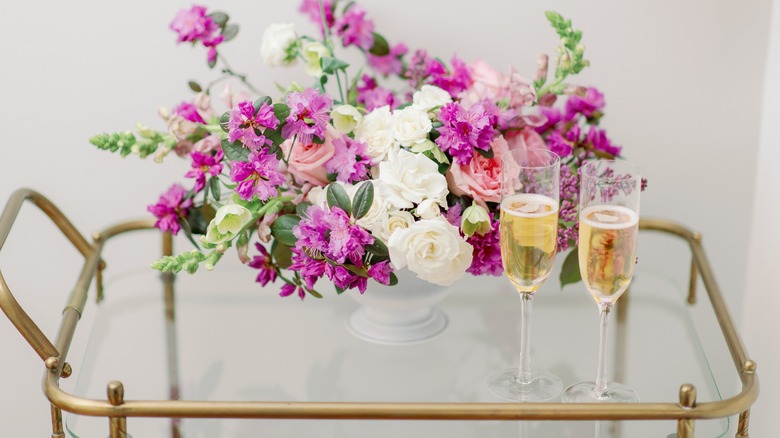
x=188 y=261
x=282 y=228
x=338 y=197
x=331 y=65
x=380 y=47
x=235 y=151
x=570 y=272
x=570 y=58
x=364 y=197
x=194 y=86
x=127 y=143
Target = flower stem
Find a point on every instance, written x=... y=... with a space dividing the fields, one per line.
x=228 y=70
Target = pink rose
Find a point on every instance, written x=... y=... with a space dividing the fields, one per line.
x=307 y=161
x=481 y=178
x=528 y=141
x=487 y=84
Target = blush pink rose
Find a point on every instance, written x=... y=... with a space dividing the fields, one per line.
x=528 y=142
x=481 y=178
x=307 y=161
x=487 y=84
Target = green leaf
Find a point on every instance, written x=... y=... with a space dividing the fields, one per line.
x=282 y=255
x=230 y=31
x=314 y=293
x=378 y=248
x=194 y=86
x=282 y=228
x=301 y=208
x=197 y=221
x=224 y=121
x=355 y=270
x=330 y=65
x=216 y=188
x=570 y=272
x=393 y=279
x=364 y=198
x=380 y=47
x=338 y=197
x=338 y=289
x=281 y=111
x=219 y=17
x=275 y=135
x=485 y=153
x=261 y=100
x=235 y=151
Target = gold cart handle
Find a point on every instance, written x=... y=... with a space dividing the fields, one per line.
x=31 y=332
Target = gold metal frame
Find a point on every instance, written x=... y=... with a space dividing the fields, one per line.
x=116 y=409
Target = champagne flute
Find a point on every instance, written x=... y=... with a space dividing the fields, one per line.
x=609 y=223
x=528 y=231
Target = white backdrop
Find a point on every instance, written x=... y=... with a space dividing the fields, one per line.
x=683 y=81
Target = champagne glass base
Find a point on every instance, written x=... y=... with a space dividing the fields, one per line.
x=585 y=392
x=540 y=387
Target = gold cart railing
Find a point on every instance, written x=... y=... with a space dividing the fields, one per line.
x=116 y=409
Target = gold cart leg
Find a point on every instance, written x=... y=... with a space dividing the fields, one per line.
x=56 y=423
x=171 y=338
x=687 y=400
x=694 y=275
x=744 y=417
x=116 y=396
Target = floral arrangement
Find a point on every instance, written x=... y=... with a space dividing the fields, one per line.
x=348 y=179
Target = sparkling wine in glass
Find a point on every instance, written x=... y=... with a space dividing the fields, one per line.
x=528 y=231
x=608 y=226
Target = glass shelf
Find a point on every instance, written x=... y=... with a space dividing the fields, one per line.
x=233 y=340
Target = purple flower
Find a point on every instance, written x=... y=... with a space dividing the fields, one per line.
x=453 y=214
x=455 y=82
x=308 y=268
x=170 y=208
x=553 y=116
x=203 y=164
x=193 y=25
x=345 y=279
x=312 y=9
x=389 y=64
x=558 y=144
x=599 y=141
x=309 y=115
x=355 y=29
x=350 y=162
x=264 y=263
x=189 y=111
x=330 y=234
x=487 y=252
x=465 y=130
x=373 y=96
x=245 y=123
x=587 y=105
x=289 y=288
x=257 y=176
x=381 y=272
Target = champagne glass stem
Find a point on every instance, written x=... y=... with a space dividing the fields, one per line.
x=524 y=370
x=601 y=378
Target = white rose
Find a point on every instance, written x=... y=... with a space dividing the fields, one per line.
x=431 y=248
x=276 y=43
x=312 y=52
x=411 y=126
x=428 y=209
x=409 y=179
x=390 y=222
x=430 y=97
x=376 y=131
x=346 y=118
x=229 y=220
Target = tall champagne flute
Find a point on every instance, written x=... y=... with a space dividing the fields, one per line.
x=609 y=222
x=529 y=231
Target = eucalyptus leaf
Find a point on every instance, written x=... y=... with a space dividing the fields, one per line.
x=338 y=197
x=570 y=272
x=302 y=207
x=281 y=111
x=356 y=270
x=282 y=229
x=314 y=293
x=364 y=198
x=194 y=86
x=219 y=17
x=230 y=31
x=235 y=151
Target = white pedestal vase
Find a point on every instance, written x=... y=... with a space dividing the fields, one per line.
x=399 y=315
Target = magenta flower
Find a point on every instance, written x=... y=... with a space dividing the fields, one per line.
x=345 y=279
x=423 y=68
x=289 y=288
x=171 y=207
x=312 y=9
x=389 y=64
x=330 y=234
x=257 y=176
x=189 y=111
x=355 y=29
x=264 y=263
x=587 y=105
x=455 y=82
x=203 y=164
x=350 y=162
x=373 y=96
x=308 y=268
x=465 y=130
x=381 y=272
x=600 y=142
x=487 y=252
x=193 y=25
x=560 y=144
x=309 y=115
x=245 y=123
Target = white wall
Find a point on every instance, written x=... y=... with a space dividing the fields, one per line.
x=683 y=82
x=762 y=300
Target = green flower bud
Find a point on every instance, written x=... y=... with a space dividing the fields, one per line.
x=229 y=220
x=475 y=220
x=346 y=118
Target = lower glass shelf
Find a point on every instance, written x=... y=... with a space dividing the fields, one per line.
x=232 y=340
